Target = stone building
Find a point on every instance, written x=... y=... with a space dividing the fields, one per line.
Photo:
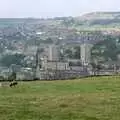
x=86 y=53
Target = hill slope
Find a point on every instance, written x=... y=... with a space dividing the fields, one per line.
x=101 y=15
x=88 y=99
x=100 y=20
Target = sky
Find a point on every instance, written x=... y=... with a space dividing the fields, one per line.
x=54 y=8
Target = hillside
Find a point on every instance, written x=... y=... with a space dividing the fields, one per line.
x=100 y=20
x=89 y=20
x=101 y=15
x=86 y=99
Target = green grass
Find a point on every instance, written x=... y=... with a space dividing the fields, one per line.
x=87 y=99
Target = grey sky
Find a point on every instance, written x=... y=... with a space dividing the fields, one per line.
x=52 y=8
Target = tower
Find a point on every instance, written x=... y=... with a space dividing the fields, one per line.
x=53 y=53
x=37 y=65
x=86 y=53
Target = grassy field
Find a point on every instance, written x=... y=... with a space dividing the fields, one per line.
x=87 y=99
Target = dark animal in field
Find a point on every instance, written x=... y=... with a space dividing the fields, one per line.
x=13 y=84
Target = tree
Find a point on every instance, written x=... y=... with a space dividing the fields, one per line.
x=93 y=68
x=12 y=76
x=106 y=49
x=8 y=60
x=2 y=78
x=77 y=52
x=96 y=68
x=68 y=53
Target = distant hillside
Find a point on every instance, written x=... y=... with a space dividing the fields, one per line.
x=101 y=15
x=101 y=19
x=89 y=21
x=8 y=22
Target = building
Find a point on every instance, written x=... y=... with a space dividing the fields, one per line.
x=24 y=75
x=55 y=65
x=86 y=53
x=53 y=53
x=30 y=50
x=5 y=72
x=49 y=67
x=15 y=68
x=46 y=69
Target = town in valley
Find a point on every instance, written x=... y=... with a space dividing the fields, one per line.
x=61 y=47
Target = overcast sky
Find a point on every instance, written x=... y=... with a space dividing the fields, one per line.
x=53 y=8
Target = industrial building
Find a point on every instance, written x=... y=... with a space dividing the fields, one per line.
x=86 y=53
x=49 y=66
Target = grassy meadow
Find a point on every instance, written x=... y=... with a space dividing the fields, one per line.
x=85 y=99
